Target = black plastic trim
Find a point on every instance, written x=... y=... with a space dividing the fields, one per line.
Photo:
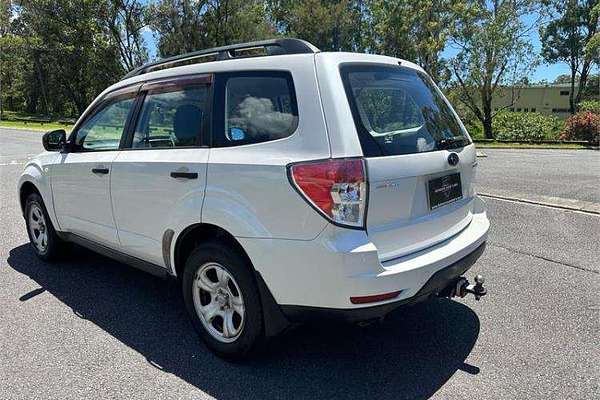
x=135 y=262
x=274 y=320
x=185 y=175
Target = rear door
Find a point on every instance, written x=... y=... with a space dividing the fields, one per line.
x=419 y=158
x=158 y=179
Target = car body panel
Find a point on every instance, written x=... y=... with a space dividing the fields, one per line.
x=248 y=192
x=82 y=197
x=37 y=172
x=147 y=201
x=341 y=263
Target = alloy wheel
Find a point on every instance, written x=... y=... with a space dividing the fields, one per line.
x=38 y=228
x=218 y=301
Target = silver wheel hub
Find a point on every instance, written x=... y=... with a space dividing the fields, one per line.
x=218 y=302
x=37 y=228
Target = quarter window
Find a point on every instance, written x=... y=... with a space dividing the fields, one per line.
x=258 y=109
x=103 y=130
x=172 y=119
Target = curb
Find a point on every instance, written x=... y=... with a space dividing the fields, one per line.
x=587 y=207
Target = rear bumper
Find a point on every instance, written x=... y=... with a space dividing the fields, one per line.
x=326 y=272
x=436 y=284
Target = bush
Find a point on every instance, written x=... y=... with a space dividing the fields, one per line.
x=590 y=105
x=474 y=128
x=525 y=126
x=582 y=126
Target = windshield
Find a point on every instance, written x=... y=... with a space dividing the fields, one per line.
x=399 y=111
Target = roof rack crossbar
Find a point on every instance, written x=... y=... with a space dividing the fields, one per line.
x=271 y=47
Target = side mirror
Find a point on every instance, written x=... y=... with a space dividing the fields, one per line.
x=236 y=134
x=54 y=140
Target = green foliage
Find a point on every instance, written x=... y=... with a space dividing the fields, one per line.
x=592 y=106
x=125 y=20
x=582 y=126
x=187 y=25
x=57 y=55
x=331 y=25
x=415 y=30
x=525 y=126
x=494 y=51
x=566 y=37
x=592 y=49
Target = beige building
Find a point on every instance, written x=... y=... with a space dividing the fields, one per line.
x=550 y=99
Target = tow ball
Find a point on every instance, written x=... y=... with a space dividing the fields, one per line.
x=464 y=287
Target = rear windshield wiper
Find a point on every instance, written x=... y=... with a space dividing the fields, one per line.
x=448 y=143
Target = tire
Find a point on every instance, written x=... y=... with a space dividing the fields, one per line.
x=215 y=278
x=42 y=236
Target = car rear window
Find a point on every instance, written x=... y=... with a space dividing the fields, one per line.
x=398 y=110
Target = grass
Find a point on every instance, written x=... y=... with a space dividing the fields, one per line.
x=35 y=126
x=557 y=146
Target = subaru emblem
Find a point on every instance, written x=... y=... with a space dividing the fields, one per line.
x=453 y=159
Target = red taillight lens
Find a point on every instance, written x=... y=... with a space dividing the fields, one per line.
x=336 y=187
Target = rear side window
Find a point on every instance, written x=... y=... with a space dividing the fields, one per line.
x=172 y=119
x=259 y=107
x=399 y=111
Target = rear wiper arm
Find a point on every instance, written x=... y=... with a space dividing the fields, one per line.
x=448 y=143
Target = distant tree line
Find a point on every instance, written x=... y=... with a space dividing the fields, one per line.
x=57 y=55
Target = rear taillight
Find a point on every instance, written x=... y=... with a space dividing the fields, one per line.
x=337 y=188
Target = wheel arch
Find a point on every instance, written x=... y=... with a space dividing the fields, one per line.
x=274 y=320
x=27 y=188
x=195 y=234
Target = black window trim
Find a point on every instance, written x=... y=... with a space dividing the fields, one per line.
x=368 y=144
x=135 y=91
x=220 y=86
x=129 y=91
x=166 y=85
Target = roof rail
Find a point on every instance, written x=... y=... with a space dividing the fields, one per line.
x=271 y=47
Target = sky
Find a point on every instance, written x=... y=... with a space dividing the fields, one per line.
x=544 y=71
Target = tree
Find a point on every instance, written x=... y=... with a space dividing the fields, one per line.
x=125 y=21
x=331 y=25
x=593 y=46
x=414 y=30
x=493 y=52
x=565 y=39
x=563 y=78
x=69 y=53
x=183 y=26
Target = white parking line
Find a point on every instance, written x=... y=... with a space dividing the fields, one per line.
x=13 y=162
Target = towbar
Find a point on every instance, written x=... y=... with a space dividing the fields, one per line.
x=464 y=287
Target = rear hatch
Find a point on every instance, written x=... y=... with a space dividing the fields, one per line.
x=419 y=158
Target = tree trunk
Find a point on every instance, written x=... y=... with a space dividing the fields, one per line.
x=582 y=81
x=487 y=115
x=487 y=128
x=572 y=92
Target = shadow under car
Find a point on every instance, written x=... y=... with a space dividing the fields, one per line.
x=410 y=355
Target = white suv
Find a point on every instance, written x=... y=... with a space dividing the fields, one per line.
x=277 y=182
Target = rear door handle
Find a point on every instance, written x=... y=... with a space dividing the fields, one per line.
x=100 y=170
x=186 y=175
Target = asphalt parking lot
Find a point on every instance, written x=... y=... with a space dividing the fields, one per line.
x=93 y=328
